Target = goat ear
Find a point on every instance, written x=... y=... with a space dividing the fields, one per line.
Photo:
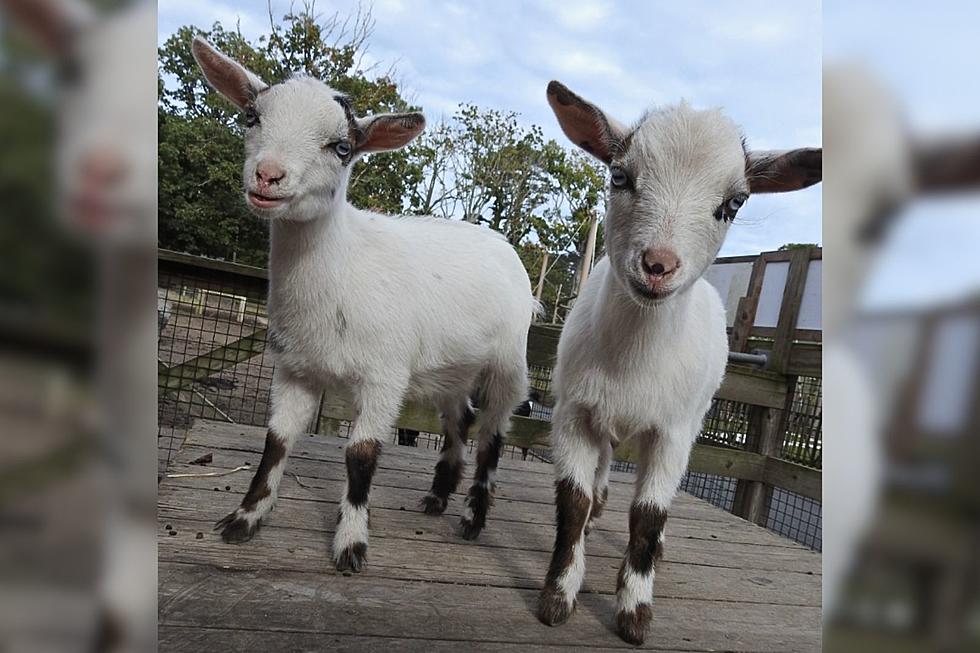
x=227 y=76
x=949 y=164
x=388 y=131
x=784 y=170
x=52 y=24
x=584 y=123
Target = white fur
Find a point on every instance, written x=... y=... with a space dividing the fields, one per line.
x=571 y=580
x=383 y=306
x=643 y=351
x=637 y=590
x=352 y=527
x=631 y=365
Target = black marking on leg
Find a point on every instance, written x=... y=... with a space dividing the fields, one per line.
x=646 y=524
x=352 y=558
x=235 y=529
x=645 y=547
x=446 y=480
x=273 y=454
x=487 y=458
x=448 y=473
x=632 y=626
x=362 y=460
x=480 y=496
x=571 y=511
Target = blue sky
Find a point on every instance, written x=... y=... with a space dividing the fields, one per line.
x=927 y=54
x=761 y=61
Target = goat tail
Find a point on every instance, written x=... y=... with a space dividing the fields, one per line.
x=537 y=308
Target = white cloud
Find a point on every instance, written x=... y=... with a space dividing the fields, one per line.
x=758 y=60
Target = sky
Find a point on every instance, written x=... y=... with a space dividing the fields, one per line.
x=926 y=55
x=759 y=61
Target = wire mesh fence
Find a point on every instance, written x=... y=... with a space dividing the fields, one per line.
x=213 y=365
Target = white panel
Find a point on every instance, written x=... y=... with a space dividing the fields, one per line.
x=810 y=306
x=945 y=401
x=731 y=280
x=771 y=297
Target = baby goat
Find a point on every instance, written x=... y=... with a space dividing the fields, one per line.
x=644 y=349
x=383 y=306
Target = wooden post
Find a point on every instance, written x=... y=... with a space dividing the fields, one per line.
x=789 y=309
x=766 y=430
x=554 y=318
x=588 y=255
x=747 y=305
x=544 y=269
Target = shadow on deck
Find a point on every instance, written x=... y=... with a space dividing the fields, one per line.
x=724 y=583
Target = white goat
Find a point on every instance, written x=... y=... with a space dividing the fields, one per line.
x=384 y=306
x=644 y=349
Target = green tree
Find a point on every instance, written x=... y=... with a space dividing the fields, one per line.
x=202 y=210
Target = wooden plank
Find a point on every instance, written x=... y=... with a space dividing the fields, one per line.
x=745 y=316
x=323 y=457
x=794 y=477
x=426 y=588
x=752 y=386
x=202 y=262
x=194 y=639
x=396 y=515
x=280 y=549
x=329 y=604
x=789 y=309
x=542 y=345
x=805 y=358
x=704 y=458
x=216 y=360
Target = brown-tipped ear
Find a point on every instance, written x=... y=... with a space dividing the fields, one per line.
x=947 y=165
x=584 y=123
x=52 y=24
x=784 y=170
x=227 y=76
x=388 y=131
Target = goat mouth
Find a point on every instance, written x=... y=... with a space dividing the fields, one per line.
x=266 y=201
x=649 y=294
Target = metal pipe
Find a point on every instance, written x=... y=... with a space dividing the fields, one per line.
x=759 y=358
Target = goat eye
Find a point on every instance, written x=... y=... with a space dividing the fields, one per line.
x=726 y=210
x=735 y=203
x=619 y=178
x=342 y=148
x=251 y=117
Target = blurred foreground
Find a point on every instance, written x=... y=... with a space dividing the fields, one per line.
x=901 y=365
x=77 y=383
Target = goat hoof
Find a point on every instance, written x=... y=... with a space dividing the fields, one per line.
x=352 y=558
x=553 y=609
x=632 y=626
x=433 y=505
x=469 y=530
x=235 y=528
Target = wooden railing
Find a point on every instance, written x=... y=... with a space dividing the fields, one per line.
x=767 y=393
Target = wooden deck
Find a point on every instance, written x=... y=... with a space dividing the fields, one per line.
x=724 y=584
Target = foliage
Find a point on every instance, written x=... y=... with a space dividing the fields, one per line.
x=482 y=165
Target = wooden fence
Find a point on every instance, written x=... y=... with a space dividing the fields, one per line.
x=792 y=348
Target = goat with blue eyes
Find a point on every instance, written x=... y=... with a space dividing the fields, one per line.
x=644 y=349
x=379 y=305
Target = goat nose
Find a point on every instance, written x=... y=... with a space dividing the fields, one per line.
x=101 y=167
x=268 y=172
x=660 y=262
